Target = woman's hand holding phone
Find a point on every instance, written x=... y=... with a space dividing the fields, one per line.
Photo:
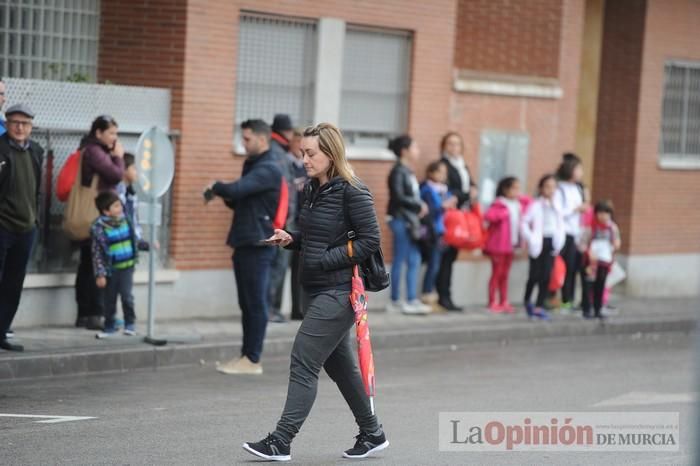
x=280 y=238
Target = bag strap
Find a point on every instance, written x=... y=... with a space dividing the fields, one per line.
x=351 y=233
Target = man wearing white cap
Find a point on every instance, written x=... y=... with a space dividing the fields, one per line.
x=20 y=179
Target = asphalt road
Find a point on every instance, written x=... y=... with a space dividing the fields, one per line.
x=197 y=416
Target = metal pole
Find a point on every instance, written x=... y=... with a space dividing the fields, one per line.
x=151 y=268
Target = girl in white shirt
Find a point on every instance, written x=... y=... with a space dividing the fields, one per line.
x=569 y=200
x=542 y=229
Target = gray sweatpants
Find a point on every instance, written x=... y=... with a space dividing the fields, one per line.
x=324 y=339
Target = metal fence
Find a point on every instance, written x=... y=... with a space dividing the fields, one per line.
x=54 y=251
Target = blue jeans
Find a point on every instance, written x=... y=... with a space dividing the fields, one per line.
x=251 y=266
x=15 y=251
x=431 y=272
x=405 y=251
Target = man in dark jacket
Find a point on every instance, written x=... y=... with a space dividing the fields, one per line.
x=254 y=198
x=20 y=180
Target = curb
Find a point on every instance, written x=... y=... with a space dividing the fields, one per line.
x=124 y=359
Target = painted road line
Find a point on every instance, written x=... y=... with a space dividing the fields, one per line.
x=648 y=398
x=49 y=419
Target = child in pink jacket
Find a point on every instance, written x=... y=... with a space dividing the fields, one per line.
x=503 y=218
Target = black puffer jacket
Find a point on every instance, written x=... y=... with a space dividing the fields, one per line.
x=322 y=238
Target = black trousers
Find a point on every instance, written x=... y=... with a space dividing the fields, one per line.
x=572 y=258
x=540 y=271
x=444 y=277
x=601 y=275
x=15 y=251
x=88 y=296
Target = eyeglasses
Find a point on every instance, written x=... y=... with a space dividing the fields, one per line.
x=20 y=123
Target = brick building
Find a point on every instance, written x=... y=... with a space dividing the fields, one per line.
x=523 y=81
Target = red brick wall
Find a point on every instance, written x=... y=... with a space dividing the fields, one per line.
x=618 y=106
x=510 y=37
x=143 y=44
x=666 y=216
x=550 y=123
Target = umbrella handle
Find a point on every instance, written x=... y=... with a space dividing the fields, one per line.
x=349 y=248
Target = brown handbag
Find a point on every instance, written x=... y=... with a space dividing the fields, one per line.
x=80 y=211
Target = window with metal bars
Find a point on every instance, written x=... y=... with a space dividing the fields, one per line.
x=376 y=85
x=276 y=68
x=680 y=121
x=49 y=39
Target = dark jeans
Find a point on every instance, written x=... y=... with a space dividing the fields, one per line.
x=572 y=257
x=444 y=278
x=433 y=267
x=15 y=251
x=251 y=267
x=324 y=340
x=89 y=298
x=540 y=271
x=297 y=289
x=120 y=284
x=278 y=271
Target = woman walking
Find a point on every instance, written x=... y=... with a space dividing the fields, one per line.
x=323 y=339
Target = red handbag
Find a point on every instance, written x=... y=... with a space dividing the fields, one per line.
x=464 y=229
x=556 y=279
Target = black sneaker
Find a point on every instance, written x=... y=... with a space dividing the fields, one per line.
x=367 y=444
x=271 y=448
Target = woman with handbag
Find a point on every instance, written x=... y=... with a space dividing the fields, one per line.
x=101 y=169
x=323 y=339
x=406 y=208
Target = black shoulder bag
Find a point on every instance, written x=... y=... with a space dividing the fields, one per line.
x=373 y=271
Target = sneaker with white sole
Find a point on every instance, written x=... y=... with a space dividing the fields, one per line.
x=270 y=448
x=366 y=444
x=240 y=366
x=129 y=330
x=415 y=307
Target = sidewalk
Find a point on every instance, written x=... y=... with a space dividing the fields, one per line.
x=53 y=351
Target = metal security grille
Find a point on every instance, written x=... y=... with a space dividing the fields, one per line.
x=680 y=124
x=49 y=39
x=376 y=80
x=276 y=68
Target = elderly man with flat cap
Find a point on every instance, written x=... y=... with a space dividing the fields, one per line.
x=20 y=178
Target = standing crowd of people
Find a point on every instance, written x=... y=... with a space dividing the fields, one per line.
x=558 y=221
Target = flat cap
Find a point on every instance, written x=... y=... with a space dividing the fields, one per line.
x=20 y=108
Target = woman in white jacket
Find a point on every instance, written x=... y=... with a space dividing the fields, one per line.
x=542 y=228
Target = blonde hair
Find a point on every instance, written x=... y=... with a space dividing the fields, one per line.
x=331 y=143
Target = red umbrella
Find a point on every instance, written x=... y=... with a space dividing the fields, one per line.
x=358 y=299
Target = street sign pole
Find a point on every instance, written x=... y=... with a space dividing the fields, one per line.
x=151 y=269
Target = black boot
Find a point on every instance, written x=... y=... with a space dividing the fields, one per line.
x=6 y=345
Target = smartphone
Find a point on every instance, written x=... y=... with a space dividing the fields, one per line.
x=268 y=242
x=208 y=195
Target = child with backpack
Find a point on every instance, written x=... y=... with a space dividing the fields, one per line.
x=503 y=218
x=114 y=254
x=542 y=229
x=600 y=242
x=436 y=195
